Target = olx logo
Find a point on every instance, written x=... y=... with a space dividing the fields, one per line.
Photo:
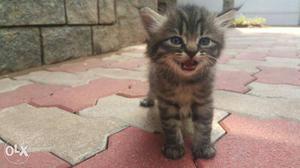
x=16 y=154
x=10 y=151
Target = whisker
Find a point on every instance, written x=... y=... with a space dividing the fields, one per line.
x=213 y=58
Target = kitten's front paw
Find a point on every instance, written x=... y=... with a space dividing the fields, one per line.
x=204 y=152
x=173 y=152
x=147 y=102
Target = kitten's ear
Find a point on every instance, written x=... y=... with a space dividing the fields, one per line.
x=225 y=19
x=152 y=21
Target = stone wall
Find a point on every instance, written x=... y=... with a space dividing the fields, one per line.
x=33 y=33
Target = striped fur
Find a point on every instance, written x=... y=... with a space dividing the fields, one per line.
x=182 y=94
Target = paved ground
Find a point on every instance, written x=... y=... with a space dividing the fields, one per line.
x=85 y=113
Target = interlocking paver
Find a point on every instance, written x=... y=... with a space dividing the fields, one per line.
x=26 y=93
x=129 y=111
x=54 y=78
x=35 y=159
x=77 y=98
x=80 y=78
x=71 y=137
x=257 y=143
x=274 y=91
x=135 y=148
x=278 y=76
x=251 y=65
x=252 y=56
x=85 y=65
x=132 y=64
x=233 y=81
x=124 y=56
x=257 y=106
x=114 y=73
x=239 y=65
x=7 y=84
x=135 y=89
x=224 y=59
x=282 y=62
x=283 y=53
x=137 y=48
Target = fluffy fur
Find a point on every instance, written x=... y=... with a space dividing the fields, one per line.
x=183 y=48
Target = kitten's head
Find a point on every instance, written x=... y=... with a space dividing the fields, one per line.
x=186 y=41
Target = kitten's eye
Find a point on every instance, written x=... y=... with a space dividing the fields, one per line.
x=205 y=41
x=176 y=40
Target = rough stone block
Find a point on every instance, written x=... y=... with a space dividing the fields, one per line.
x=130 y=26
x=62 y=43
x=31 y=12
x=19 y=49
x=106 y=39
x=82 y=11
x=107 y=13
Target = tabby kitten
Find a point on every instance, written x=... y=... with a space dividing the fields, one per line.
x=183 y=48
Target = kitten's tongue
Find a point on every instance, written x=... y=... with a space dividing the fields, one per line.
x=189 y=65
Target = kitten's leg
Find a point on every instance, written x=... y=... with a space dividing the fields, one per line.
x=202 y=116
x=170 y=121
x=149 y=100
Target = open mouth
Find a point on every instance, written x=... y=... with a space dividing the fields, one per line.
x=189 y=65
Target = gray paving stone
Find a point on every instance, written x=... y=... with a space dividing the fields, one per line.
x=282 y=62
x=106 y=39
x=19 y=48
x=1 y=142
x=107 y=12
x=82 y=11
x=7 y=84
x=238 y=67
x=258 y=106
x=31 y=12
x=124 y=56
x=274 y=91
x=129 y=111
x=80 y=78
x=54 y=78
x=251 y=65
x=62 y=43
x=69 y=136
x=113 y=73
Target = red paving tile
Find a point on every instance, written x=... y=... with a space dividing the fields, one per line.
x=133 y=148
x=77 y=98
x=135 y=89
x=34 y=160
x=257 y=143
x=233 y=81
x=26 y=93
x=278 y=76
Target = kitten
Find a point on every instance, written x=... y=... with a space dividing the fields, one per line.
x=183 y=48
